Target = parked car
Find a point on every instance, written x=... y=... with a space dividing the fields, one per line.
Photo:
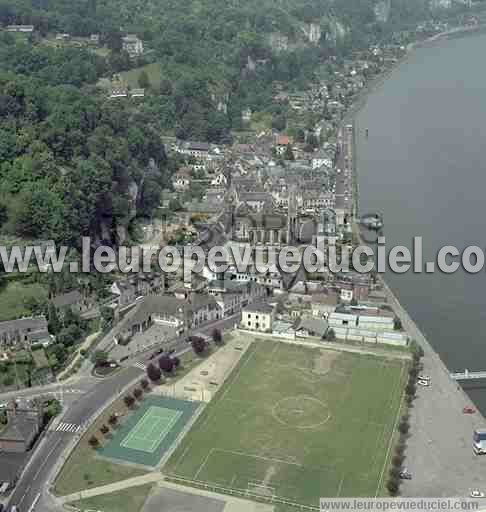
x=469 y=410
x=405 y=474
x=476 y=493
x=424 y=383
x=424 y=377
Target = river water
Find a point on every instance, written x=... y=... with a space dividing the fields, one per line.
x=423 y=165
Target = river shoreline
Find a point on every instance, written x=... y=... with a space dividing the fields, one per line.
x=350 y=118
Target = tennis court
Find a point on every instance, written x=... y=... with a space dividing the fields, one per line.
x=151 y=429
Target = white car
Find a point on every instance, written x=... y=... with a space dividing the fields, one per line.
x=424 y=377
x=476 y=494
x=424 y=383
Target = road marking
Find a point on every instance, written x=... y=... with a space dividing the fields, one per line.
x=46 y=460
x=140 y=366
x=68 y=427
x=34 y=503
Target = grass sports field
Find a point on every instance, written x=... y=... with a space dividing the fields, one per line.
x=150 y=431
x=297 y=423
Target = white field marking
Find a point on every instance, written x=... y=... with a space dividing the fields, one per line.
x=340 y=487
x=392 y=396
x=184 y=453
x=133 y=435
x=203 y=463
x=237 y=374
x=261 y=457
x=161 y=435
x=383 y=435
x=233 y=480
x=25 y=494
x=391 y=439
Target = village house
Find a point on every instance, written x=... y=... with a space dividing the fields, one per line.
x=24 y=422
x=281 y=143
x=118 y=92
x=132 y=45
x=259 y=317
x=321 y=158
x=126 y=291
x=311 y=327
x=20 y=28
x=25 y=331
x=198 y=150
x=72 y=300
x=180 y=314
x=219 y=180
x=137 y=93
x=182 y=179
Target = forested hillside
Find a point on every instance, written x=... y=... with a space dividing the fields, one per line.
x=73 y=163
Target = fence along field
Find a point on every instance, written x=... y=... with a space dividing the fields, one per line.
x=295 y=424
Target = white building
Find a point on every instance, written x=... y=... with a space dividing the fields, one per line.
x=258 y=317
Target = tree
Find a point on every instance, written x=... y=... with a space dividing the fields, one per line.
x=54 y=323
x=113 y=420
x=397 y=460
x=393 y=485
x=145 y=384
x=99 y=358
x=138 y=393
x=279 y=122
x=400 y=448
x=165 y=88
x=129 y=401
x=153 y=373
x=410 y=389
x=217 y=336
x=404 y=428
x=107 y=315
x=331 y=335
x=289 y=154
x=144 y=80
x=166 y=364
x=198 y=345
x=397 y=324
x=104 y=429
x=94 y=442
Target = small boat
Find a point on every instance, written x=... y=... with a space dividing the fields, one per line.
x=367 y=132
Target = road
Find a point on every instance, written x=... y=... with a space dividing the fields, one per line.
x=35 y=479
x=96 y=395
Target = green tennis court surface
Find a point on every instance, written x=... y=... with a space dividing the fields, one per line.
x=148 y=432
x=151 y=429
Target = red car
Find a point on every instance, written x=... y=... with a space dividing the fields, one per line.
x=469 y=410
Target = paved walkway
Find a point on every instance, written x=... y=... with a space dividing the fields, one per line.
x=84 y=346
x=232 y=504
x=117 y=486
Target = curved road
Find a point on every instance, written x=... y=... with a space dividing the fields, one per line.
x=31 y=491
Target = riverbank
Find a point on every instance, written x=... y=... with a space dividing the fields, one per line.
x=439 y=451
